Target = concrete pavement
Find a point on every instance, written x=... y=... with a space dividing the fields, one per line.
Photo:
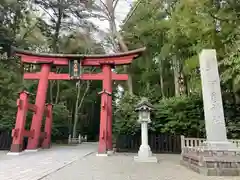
x=81 y=163
x=36 y=165
x=122 y=167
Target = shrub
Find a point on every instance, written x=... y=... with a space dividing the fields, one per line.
x=175 y=115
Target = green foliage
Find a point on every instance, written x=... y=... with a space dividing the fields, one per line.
x=60 y=121
x=182 y=29
x=232 y=118
x=174 y=33
x=182 y=115
x=125 y=117
x=231 y=72
x=10 y=85
x=177 y=115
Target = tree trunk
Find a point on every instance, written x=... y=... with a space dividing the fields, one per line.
x=181 y=81
x=78 y=107
x=176 y=73
x=71 y=107
x=121 y=43
x=76 y=111
x=161 y=77
x=162 y=86
x=57 y=28
x=56 y=49
x=58 y=92
x=75 y=124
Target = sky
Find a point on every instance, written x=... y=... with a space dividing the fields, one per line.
x=121 y=12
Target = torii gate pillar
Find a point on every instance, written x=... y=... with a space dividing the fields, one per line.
x=105 y=136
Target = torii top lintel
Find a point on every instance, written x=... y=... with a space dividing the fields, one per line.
x=86 y=60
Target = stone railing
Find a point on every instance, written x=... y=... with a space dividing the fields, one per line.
x=77 y=140
x=194 y=142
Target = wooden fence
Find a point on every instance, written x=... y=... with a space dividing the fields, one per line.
x=159 y=143
x=5 y=140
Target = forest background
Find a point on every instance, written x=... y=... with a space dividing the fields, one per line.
x=174 y=33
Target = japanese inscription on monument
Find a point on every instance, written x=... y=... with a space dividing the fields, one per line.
x=212 y=98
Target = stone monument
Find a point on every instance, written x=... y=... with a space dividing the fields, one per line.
x=144 y=153
x=216 y=156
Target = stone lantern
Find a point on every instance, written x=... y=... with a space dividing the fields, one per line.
x=144 y=154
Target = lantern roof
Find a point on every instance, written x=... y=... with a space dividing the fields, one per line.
x=144 y=104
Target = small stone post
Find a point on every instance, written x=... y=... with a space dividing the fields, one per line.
x=144 y=153
x=69 y=139
x=79 y=139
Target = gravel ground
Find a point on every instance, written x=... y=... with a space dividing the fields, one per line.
x=122 y=167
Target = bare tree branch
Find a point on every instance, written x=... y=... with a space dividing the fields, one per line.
x=29 y=30
x=53 y=19
x=221 y=19
x=132 y=11
x=106 y=9
x=115 y=2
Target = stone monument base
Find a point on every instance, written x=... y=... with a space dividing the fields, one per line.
x=212 y=162
x=152 y=159
x=145 y=155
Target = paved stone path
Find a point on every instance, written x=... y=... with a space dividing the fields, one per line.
x=79 y=163
x=35 y=166
x=122 y=167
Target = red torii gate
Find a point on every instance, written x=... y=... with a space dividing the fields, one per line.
x=106 y=62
